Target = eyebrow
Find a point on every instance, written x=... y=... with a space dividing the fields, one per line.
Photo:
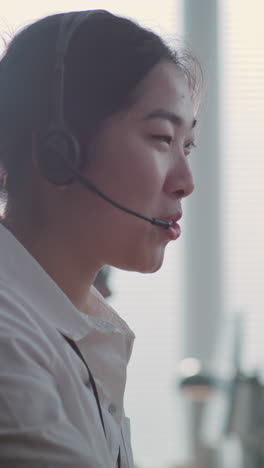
x=170 y=116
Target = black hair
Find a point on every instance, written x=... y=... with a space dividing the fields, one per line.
x=107 y=57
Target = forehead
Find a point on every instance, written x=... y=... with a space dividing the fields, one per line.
x=166 y=87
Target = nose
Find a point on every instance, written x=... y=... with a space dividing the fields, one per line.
x=180 y=180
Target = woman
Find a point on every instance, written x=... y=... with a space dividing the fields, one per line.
x=96 y=123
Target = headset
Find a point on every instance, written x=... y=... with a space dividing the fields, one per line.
x=59 y=156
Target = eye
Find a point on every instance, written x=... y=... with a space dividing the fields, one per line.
x=189 y=146
x=163 y=138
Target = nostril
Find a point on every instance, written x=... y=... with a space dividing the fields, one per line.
x=180 y=193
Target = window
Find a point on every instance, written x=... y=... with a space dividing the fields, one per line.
x=243 y=103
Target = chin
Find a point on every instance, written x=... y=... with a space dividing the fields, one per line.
x=151 y=265
x=141 y=261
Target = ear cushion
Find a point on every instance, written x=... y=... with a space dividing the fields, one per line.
x=59 y=153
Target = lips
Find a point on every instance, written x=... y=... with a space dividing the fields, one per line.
x=174 y=230
x=173 y=218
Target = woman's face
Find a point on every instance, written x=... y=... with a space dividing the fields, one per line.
x=139 y=158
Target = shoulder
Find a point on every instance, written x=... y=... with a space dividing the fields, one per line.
x=23 y=338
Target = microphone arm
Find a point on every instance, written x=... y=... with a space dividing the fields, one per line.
x=87 y=183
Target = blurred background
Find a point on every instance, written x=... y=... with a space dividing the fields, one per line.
x=195 y=381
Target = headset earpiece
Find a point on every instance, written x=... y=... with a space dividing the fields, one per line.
x=59 y=154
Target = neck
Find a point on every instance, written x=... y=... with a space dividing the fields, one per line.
x=57 y=255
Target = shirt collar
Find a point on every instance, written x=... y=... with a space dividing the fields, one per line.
x=20 y=272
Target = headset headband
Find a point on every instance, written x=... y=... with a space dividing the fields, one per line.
x=69 y=23
x=60 y=154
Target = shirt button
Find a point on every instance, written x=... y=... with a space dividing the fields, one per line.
x=112 y=408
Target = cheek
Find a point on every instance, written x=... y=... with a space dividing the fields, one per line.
x=128 y=169
x=142 y=171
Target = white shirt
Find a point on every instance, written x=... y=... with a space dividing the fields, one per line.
x=48 y=412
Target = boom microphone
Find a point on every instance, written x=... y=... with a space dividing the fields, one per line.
x=91 y=186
